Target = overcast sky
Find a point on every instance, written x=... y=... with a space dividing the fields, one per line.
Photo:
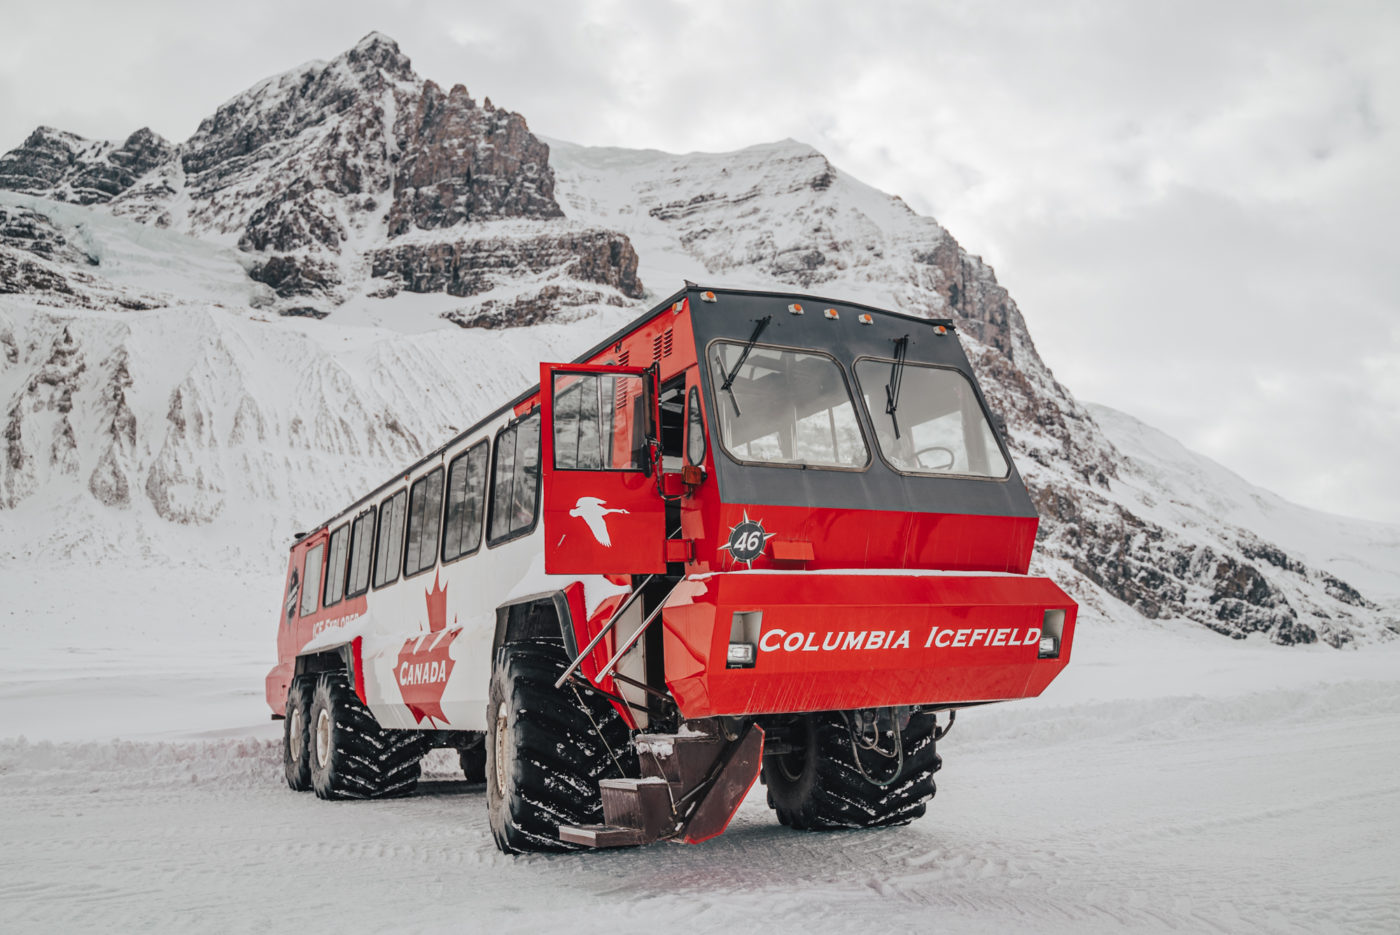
x=1194 y=204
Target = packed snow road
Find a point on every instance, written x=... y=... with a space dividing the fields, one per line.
x=1268 y=810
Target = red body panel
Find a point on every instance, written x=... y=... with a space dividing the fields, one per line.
x=860 y=538
x=938 y=639
x=295 y=631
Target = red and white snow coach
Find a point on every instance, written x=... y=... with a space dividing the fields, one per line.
x=752 y=534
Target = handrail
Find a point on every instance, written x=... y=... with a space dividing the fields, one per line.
x=607 y=627
x=632 y=640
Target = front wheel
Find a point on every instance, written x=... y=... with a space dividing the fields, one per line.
x=546 y=750
x=826 y=782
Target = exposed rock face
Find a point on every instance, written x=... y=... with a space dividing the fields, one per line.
x=462 y=162
x=20 y=274
x=32 y=232
x=38 y=437
x=33 y=254
x=472 y=267
x=67 y=167
x=293 y=275
x=549 y=303
x=110 y=479
x=283 y=107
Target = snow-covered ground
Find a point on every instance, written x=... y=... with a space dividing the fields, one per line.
x=1170 y=780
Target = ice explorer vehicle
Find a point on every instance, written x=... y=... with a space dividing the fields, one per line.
x=750 y=535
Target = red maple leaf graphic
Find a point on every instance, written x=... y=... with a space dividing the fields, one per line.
x=437 y=606
x=425 y=664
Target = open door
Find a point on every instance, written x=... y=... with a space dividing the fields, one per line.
x=602 y=511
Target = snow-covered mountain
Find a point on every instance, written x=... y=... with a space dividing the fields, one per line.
x=205 y=346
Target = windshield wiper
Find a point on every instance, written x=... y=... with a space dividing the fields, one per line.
x=901 y=347
x=743 y=356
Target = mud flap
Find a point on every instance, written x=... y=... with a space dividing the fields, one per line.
x=736 y=777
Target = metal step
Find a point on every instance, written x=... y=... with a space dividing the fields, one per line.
x=644 y=804
x=601 y=836
x=682 y=759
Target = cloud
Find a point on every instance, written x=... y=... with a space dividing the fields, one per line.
x=1236 y=328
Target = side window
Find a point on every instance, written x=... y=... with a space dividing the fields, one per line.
x=389 y=549
x=527 y=475
x=361 y=553
x=466 y=501
x=335 y=569
x=695 y=430
x=424 y=520
x=311 y=579
x=515 y=480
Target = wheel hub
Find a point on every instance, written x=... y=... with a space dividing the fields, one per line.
x=294 y=729
x=502 y=717
x=323 y=737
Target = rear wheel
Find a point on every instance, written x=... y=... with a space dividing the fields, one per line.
x=296 y=734
x=825 y=782
x=473 y=760
x=352 y=757
x=544 y=755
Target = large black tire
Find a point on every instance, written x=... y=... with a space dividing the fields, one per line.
x=820 y=787
x=352 y=757
x=544 y=756
x=296 y=734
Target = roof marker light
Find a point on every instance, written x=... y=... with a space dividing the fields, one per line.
x=866 y=320
x=707 y=297
x=831 y=313
x=676 y=307
x=795 y=308
x=939 y=329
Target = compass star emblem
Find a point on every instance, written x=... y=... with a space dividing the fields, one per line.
x=747 y=540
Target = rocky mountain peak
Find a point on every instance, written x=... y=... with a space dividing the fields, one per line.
x=68 y=167
x=306 y=165
x=464 y=162
x=378 y=51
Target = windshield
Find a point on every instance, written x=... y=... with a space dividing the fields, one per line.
x=783 y=406
x=938 y=427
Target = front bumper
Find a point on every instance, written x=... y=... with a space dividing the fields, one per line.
x=842 y=640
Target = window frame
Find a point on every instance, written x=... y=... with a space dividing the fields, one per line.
x=722 y=444
x=648 y=405
x=976 y=393
x=514 y=426
x=481 y=525
x=408 y=523
x=378 y=527
x=373 y=514
x=695 y=413
x=342 y=529
x=320 y=550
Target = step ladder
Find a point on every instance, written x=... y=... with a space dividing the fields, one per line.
x=691 y=784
